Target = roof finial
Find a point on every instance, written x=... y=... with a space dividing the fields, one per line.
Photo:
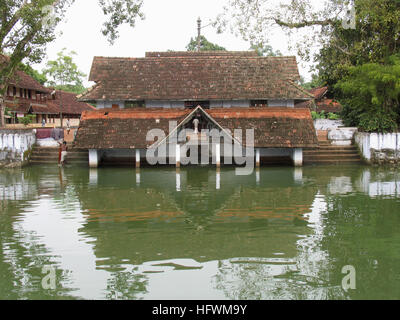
x=199 y=34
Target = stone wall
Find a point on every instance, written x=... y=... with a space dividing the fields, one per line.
x=379 y=148
x=15 y=146
x=326 y=124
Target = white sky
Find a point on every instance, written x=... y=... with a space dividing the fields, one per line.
x=168 y=25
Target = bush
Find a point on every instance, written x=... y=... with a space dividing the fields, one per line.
x=27 y=119
x=322 y=115
x=372 y=95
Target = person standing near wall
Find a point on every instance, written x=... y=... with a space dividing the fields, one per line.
x=62 y=152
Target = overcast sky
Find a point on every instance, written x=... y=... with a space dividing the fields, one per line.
x=168 y=25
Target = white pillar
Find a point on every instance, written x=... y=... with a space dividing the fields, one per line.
x=178 y=155
x=218 y=155
x=258 y=157
x=297 y=157
x=137 y=158
x=93 y=158
x=258 y=179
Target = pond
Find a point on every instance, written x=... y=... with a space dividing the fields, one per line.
x=280 y=233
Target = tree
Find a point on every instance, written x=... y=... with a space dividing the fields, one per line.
x=265 y=51
x=314 y=83
x=63 y=73
x=319 y=25
x=205 y=45
x=27 y=26
x=372 y=96
x=38 y=76
x=344 y=38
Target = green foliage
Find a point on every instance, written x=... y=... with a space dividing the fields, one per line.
x=7 y=111
x=27 y=27
x=27 y=119
x=265 y=50
x=371 y=96
x=39 y=77
x=64 y=74
x=315 y=82
x=322 y=115
x=205 y=45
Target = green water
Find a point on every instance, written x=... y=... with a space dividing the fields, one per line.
x=281 y=233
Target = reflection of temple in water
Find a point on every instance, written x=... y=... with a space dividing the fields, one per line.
x=199 y=220
x=251 y=228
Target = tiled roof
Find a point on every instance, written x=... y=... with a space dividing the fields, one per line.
x=124 y=129
x=328 y=105
x=69 y=103
x=195 y=76
x=320 y=103
x=318 y=93
x=22 y=80
x=17 y=107
x=201 y=54
x=127 y=129
x=273 y=127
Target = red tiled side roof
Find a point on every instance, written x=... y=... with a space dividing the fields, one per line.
x=318 y=93
x=194 y=76
x=126 y=129
x=273 y=127
x=201 y=54
x=18 y=107
x=329 y=105
x=22 y=80
x=69 y=103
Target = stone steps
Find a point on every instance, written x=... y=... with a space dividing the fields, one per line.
x=331 y=154
x=48 y=155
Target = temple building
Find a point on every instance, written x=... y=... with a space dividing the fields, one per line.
x=170 y=104
x=26 y=96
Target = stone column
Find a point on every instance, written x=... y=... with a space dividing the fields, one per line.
x=93 y=158
x=297 y=157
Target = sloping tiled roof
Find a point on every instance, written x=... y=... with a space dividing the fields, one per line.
x=320 y=103
x=319 y=93
x=127 y=129
x=123 y=129
x=25 y=81
x=69 y=103
x=21 y=79
x=17 y=107
x=195 y=76
x=273 y=127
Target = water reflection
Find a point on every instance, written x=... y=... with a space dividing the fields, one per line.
x=281 y=233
